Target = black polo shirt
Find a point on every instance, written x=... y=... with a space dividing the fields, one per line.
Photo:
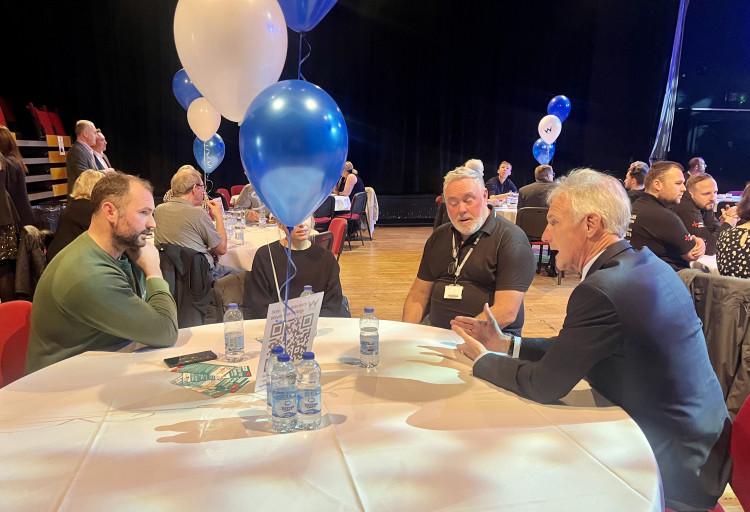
x=702 y=223
x=502 y=260
x=654 y=225
x=495 y=188
x=635 y=195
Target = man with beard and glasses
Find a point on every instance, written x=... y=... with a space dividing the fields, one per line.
x=105 y=290
x=476 y=259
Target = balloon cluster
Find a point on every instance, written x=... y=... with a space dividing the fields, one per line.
x=293 y=137
x=549 y=129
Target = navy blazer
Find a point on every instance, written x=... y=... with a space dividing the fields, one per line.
x=632 y=331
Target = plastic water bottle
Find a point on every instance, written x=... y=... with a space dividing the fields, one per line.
x=308 y=393
x=229 y=225
x=272 y=359
x=306 y=291
x=262 y=217
x=234 y=334
x=369 y=339
x=283 y=395
x=239 y=235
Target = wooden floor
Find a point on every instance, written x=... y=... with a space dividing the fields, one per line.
x=380 y=273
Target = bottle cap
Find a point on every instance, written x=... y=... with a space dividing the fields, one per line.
x=308 y=355
x=284 y=358
x=233 y=305
x=369 y=309
x=308 y=287
x=278 y=349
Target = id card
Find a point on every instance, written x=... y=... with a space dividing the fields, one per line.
x=453 y=291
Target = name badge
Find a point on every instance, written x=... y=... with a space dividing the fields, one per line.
x=453 y=291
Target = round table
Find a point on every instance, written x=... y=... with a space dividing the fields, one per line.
x=241 y=256
x=109 y=431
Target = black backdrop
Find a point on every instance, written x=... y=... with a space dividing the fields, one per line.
x=423 y=85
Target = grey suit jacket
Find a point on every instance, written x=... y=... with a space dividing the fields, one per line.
x=79 y=159
x=632 y=331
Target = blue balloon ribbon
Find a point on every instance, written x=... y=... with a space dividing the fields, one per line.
x=184 y=90
x=293 y=145
x=209 y=154
x=543 y=152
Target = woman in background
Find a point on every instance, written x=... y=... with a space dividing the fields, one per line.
x=76 y=217
x=350 y=182
x=15 y=176
x=8 y=239
x=733 y=246
x=316 y=267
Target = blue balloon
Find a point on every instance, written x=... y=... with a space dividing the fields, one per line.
x=543 y=152
x=559 y=106
x=293 y=145
x=304 y=15
x=184 y=90
x=209 y=154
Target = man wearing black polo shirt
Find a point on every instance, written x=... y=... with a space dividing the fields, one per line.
x=654 y=225
x=696 y=211
x=476 y=259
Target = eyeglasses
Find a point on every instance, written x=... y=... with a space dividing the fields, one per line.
x=200 y=185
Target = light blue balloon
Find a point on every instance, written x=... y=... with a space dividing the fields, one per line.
x=293 y=146
x=209 y=154
x=304 y=15
x=543 y=152
x=559 y=106
x=184 y=90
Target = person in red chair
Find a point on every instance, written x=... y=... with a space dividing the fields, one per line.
x=478 y=258
x=631 y=330
x=105 y=289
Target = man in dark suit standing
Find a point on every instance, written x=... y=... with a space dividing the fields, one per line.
x=81 y=154
x=631 y=330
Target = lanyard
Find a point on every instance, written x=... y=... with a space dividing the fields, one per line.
x=455 y=256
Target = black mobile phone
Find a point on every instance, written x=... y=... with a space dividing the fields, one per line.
x=196 y=357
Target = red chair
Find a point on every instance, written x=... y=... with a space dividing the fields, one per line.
x=237 y=189
x=41 y=121
x=740 y=450
x=14 y=339
x=225 y=194
x=337 y=227
x=359 y=203
x=55 y=121
x=2 y=118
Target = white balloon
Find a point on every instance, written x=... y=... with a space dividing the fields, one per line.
x=203 y=119
x=231 y=49
x=550 y=128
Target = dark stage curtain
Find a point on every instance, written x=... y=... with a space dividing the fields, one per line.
x=424 y=85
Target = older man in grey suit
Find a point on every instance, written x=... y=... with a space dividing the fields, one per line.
x=81 y=154
x=631 y=330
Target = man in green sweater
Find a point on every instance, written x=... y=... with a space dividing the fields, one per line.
x=105 y=289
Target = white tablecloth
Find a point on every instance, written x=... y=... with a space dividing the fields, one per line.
x=241 y=256
x=509 y=212
x=343 y=203
x=108 y=431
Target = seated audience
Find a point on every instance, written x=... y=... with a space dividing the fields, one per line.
x=105 y=290
x=316 y=267
x=535 y=194
x=696 y=165
x=15 y=177
x=478 y=258
x=249 y=199
x=635 y=180
x=499 y=186
x=76 y=217
x=631 y=330
x=654 y=225
x=183 y=221
x=696 y=211
x=733 y=246
x=350 y=182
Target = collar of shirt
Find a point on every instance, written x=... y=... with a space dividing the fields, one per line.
x=650 y=197
x=88 y=148
x=588 y=264
x=487 y=228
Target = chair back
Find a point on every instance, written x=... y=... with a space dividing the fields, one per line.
x=740 y=450
x=325 y=240
x=232 y=288
x=326 y=209
x=337 y=227
x=14 y=339
x=225 y=194
x=359 y=203
x=438 y=201
x=237 y=189
x=533 y=221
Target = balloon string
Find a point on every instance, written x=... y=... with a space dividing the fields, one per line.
x=302 y=59
x=205 y=156
x=290 y=267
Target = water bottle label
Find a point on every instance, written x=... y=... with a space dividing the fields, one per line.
x=368 y=345
x=234 y=341
x=284 y=403
x=308 y=401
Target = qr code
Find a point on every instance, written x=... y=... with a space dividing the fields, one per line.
x=298 y=331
